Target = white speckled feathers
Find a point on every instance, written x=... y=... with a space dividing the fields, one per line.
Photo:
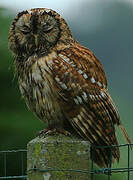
x=81 y=85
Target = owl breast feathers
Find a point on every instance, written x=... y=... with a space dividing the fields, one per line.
x=62 y=82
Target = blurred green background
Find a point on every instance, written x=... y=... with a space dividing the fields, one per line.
x=104 y=27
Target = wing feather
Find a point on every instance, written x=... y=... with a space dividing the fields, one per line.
x=81 y=84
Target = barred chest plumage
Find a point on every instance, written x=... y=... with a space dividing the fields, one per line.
x=37 y=87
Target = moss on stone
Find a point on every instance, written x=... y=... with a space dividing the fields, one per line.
x=58 y=152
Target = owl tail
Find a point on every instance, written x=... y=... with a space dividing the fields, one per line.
x=124 y=132
x=104 y=157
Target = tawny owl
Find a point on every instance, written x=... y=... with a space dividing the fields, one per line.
x=62 y=82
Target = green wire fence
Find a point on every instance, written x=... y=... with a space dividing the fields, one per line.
x=21 y=163
x=11 y=160
x=109 y=171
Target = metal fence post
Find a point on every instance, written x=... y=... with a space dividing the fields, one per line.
x=58 y=157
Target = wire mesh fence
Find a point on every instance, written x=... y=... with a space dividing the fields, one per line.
x=109 y=171
x=13 y=164
x=13 y=160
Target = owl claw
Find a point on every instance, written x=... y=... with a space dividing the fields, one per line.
x=53 y=132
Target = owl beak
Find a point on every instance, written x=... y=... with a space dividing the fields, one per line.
x=36 y=40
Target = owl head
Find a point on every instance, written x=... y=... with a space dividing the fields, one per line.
x=37 y=31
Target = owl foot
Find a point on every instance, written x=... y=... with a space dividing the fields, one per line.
x=54 y=132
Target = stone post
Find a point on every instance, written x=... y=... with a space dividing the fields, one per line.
x=58 y=157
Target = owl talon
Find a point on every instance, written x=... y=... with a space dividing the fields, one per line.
x=53 y=132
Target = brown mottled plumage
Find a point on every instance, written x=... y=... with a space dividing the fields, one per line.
x=63 y=83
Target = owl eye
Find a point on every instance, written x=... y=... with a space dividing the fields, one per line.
x=25 y=30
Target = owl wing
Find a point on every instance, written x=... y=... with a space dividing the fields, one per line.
x=81 y=84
